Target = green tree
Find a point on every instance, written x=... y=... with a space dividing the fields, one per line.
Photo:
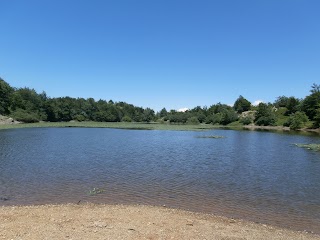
x=30 y=102
x=218 y=108
x=315 y=88
x=148 y=115
x=163 y=113
x=265 y=115
x=209 y=119
x=311 y=103
x=178 y=117
x=66 y=109
x=199 y=112
x=246 y=120
x=316 y=119
x=51 y=110
x=22 y=115
x=126 y=119
x=281 y=101
x=193 y=121
x=228 y=116
x=6 y=92
x=241 y=105
x=297 y=120
x=27 y=99
x=217 y=118
x=292 y=105
x=201 y=117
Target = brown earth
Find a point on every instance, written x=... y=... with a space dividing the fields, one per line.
x=7 y=120
x=90 y=221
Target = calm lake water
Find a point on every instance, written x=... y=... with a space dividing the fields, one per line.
x=259 y=176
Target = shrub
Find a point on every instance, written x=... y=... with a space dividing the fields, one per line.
x=216 y=118
x=126 y=119
x=265 y=115
x=316 y=119
x=228 y=116
x=266 y=121
x=160 y=120
x=24 y=116
x=246 y=120
x=201 y=117
x=296 y=120
x=209 y=119
x=193 y=121
x=241 y=105
x=79 y=118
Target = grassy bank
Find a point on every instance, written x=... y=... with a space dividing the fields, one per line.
x=119 y=125
x=156 y=126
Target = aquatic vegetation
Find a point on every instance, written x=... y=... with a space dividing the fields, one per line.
x=312 y=146
x=213 y=136
x=95 y=191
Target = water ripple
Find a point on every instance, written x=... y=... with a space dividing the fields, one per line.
x=254 y=175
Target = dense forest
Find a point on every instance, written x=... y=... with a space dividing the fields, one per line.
x=27 y=105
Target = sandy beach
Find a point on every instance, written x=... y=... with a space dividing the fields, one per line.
x=89 y=221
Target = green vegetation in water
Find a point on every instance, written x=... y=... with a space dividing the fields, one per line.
x=215 y=137
x=312 y=146
x=95 y=191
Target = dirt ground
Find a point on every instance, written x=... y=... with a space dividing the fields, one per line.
x=88 y=221
x=7 y=120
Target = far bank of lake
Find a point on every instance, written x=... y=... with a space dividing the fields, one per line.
x=157 y=126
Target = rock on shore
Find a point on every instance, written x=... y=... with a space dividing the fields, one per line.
x=7 y=120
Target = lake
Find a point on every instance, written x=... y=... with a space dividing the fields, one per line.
x=258 y=176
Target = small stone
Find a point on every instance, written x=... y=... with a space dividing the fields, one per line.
x=100 y=224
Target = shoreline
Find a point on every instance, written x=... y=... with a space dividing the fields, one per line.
x=280 y=129
x=100 y=221
x=156 y=126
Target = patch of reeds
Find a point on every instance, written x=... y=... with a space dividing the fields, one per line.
x=95 y=191
x=312 y=146
x=212 y=136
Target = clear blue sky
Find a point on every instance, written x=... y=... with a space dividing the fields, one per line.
x=162 y=53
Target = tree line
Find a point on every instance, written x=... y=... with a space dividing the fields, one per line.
x=27 y=105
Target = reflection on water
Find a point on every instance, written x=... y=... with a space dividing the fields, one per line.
x=258 y=176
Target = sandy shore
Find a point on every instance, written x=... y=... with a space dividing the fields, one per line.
x=90 y=221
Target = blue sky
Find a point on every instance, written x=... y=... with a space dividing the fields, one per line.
x=168 y=53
